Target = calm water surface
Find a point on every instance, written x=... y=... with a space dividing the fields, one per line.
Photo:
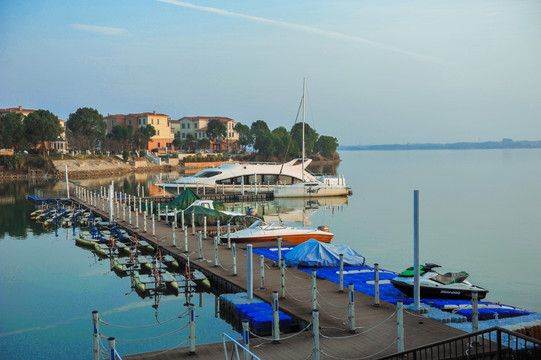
x=480 y=211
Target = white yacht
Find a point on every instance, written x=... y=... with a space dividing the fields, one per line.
x=247 y=173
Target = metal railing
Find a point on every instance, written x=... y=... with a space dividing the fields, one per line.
x=238 y=351
x=494 y=343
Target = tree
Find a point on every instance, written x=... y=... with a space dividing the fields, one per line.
x=189 y=143
x=119 y=139
x=177 y=143
x=326 y=145
x=280 y=140
x=203 y=143
x=41 y=126
x=87 y=128
x=12 y=131
x=216 y=130
x=143 y=135
x=310 y=138
x=245 y=135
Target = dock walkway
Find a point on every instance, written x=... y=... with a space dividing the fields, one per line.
x=376 y=332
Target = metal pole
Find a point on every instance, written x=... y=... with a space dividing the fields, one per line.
x=111 y=190
x=475 y=312
x=67 y=182
x=246 y=338
x=182 y=219
x=376 y=284
x=153 y=226
x=216 y=263
x=351 y=309
x=186 y=240
x=193 y=224
x=282 y=279
x=136 y=219
x=262 y=272
x=173 y=235
x=416 y=266
x=315 y=329
x=124 y=212
x=145 y=221
x=140 y=206
x=314 y=290
x=229 y=235
x=96 y=334
x=279 y=240
x=166 y=213
x=200 y=245
x=112 y=345
x=205 y=226
x=400 y=320
x=175 y=211
x=234 y=253
x=129 y=215
x=218 y=228
x=250 y=277
x=192 y=329
x=275 y=318
x=341 y=279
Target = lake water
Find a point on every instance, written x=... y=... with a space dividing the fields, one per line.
x=480 y=211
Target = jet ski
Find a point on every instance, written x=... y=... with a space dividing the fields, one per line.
x=438 y=286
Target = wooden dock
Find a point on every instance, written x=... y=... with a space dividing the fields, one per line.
x=377 y=325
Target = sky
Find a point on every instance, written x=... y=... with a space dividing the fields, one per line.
x=377 y=71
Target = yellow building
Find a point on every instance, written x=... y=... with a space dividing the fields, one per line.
x=198 y=126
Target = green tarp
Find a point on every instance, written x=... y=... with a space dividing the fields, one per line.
x=185 y=199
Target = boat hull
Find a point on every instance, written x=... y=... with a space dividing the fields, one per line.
x=296 y=239
x=429 y=292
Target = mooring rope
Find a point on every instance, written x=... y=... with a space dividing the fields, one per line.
x=327 y=301
x=362 y=332
x=326 y=312
x=282 y=338
x=294 y=298
x=298 y=277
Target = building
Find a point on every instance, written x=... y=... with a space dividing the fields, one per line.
x=198 y=126
x=58 y=145
x=159 y=142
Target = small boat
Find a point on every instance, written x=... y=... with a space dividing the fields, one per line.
x=85 y=241
x=312 y=189
x=438 y=286
x=260 y=231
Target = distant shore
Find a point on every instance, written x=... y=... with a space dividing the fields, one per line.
x=488 y=145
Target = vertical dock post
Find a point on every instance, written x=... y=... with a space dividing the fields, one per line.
x=112 y=347
x=185 y=239
x=205 y=226
x=275 y=318
x=250 y=273
x=129 y=215
x=111 y=211
x=153 y=226
x=351 y=309
x=124 y=212
x=229 y=235
x=279 y=241
x=200 y=245
x=376 y=284
x=218 y=228
x=315 y=330
x=145 y=221
x=67 y=182
x=234 y=253
x=416 y=266
x=140 y=206
x=166 y=213
x=261 y=272
x=341 y=278
x=175 y=219
x=475 y=312
x=193 y=224
x=282 y=279
x=96 y=335
x=136 y=219
x=192 y=329
x=400 y=321
x=246 y=338
x=117 y=214
x=173 y=235
x=216 y=263
x=182 y=219
x=314 y=290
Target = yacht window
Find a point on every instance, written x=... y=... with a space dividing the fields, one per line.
x=208 y=174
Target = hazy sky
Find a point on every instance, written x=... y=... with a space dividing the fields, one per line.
x=378 y=71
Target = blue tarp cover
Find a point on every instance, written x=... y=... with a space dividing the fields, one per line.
x=315 y=253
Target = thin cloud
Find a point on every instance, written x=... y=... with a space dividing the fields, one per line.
x=310 y=29
x=101 y=30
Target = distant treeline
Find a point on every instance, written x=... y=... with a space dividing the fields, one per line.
x=504 y=144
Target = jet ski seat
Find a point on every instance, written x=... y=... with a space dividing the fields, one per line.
x=451 y=278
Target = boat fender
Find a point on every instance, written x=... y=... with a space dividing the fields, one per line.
x=323 y=228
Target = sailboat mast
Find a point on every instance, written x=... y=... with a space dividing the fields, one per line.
x=303 y=111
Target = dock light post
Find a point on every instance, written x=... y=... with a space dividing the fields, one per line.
x=376 y=284
x=185 y=240
x=351 y=308
x=166 y=213
x=182 y=219
x=275 y=318
x=246 y=338
x=129 y=215
x=315 y=330
x=136 y=219
x=111 y=190
x=173 y=235
x=200 y=245
x=234 y=253
x=124 y=212
x=153 y=226
x=229 y=235
x=175 y=219
x=314 y=290
x=216 y=263
x=218 y=228
x=192 y=329
x=475 y=312
x=261 y=272
x=400 y=321
x=145 y=222
x=282 y=279
x=193 y=224
x=341 y=279
x=205 y=226
x=279 y=241
x=112 y=347
x=140 y=206
x=416 y=266
x=250 y=277
x=96 y=335
x=117 y=214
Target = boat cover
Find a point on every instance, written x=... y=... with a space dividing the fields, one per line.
x=315 y=253
x=200 y=212
x=185 y=199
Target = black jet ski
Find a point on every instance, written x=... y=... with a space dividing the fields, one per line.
x=437 y=286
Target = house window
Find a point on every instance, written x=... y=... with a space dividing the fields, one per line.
x=183 y=135
x=129 y=121
x=158 y=132
x=152 y=120
x=158 y=121
x=188 y=125
x=183 y=126
x=196 y=125
x=159 y=145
